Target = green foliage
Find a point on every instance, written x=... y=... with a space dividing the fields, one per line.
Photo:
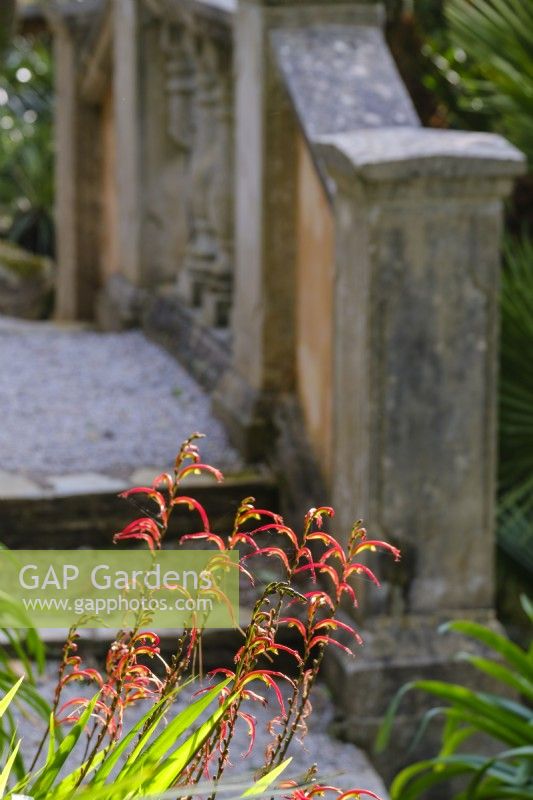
x=24 y=645
x=7 y=21
x=515 y=514
x=26 y=145
x=497 y=35
x=508 y=724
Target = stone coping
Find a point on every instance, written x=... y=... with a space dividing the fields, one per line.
x=405 y=152
x=19 y=485
x=341 y=78
x=220 y=12
x=16 y=485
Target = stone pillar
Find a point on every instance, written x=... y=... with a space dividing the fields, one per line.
x=265 y=163
x=201 y=248
x=127 y=126
x=179 y=69
x=77 y=168
x=166 y=91
x=216 y=296
x=65 y=172
x=418 y=219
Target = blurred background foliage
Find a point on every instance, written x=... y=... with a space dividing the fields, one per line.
x=26 y=143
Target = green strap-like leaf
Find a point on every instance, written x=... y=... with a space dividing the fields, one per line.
x=115 y=753
x=500 y=644
x=182 y=722
x=51 y=769
x=8 y=697
x=500 y=673
x=164 y=775
x=264 y=783
x=6 y=772
x=65 y=788
x=512 y=718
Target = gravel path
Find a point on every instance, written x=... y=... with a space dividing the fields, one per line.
x=75 y=400
x=339 y=763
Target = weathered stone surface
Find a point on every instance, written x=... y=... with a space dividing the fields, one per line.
x=77 y=166
x=342 y=78
x=119 y=304
x=15 y=485
x=127 y=126
x=319 y=54
x=399 y=153
x=205 y=352
x=212 y=12
x=265 y=182
x=26 y=282
x=84 y=483
x=416 y=351
x=418 y=218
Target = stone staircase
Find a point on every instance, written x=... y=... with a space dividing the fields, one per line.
x=85 y=415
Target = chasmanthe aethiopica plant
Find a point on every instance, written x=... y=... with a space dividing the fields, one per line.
x=186 y=754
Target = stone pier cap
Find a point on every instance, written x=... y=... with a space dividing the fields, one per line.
x=403 y=153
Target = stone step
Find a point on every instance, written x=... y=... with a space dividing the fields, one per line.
x=83 y=513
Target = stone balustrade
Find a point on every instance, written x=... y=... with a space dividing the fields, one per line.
x=269 y=203
x=158 y=77
x=195 y=237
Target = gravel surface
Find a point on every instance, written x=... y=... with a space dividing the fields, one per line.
x=78 y=400
x=339 y=762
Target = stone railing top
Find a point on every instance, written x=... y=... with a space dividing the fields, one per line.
x=401 y=153
x=341 y=78
x=73 y=13
x=220 y=12
x=227 y=6
x=347 y=4
x=74 y=8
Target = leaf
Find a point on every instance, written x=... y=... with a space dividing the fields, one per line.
x=527 y=606
x=65 y=788
x=511 y=719
x=51 y=769
x=157 y=750
x=4 y=775
x=8 y=697
x=165 y=774
x=266 y=781
x=500 y=673
x=500 y=644
x=122 y=746
x=384 y=732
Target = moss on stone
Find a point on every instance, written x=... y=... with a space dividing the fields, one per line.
x=21 y=262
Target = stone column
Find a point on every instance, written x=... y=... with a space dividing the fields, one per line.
x=127 y=125
x=76 y=173
x=65 y=180
x=418 y=219
x=167 y=87
x=265 y=164
x=216 y=297
x=201 y=248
